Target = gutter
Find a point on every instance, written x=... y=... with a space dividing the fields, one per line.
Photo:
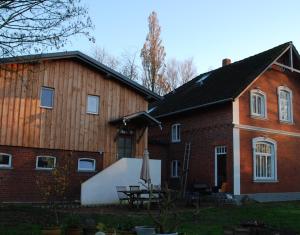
x=195 y=107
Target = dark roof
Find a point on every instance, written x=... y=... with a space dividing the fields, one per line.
x=77 y=55
x=218 y=86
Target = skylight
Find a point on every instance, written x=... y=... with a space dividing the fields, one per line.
x=202 y=78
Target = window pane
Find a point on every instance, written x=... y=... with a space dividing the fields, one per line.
x=93 y=104
x=285 y=105
x=269 y=167
x=86 y=164
x=178 y=132
x=4 y=160
x=46 y=162
x=47 y=97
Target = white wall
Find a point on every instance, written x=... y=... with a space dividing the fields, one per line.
x=101 y=188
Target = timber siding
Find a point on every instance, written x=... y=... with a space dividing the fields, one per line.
x=67 y=126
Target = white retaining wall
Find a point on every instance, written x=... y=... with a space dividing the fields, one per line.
x=101 y=188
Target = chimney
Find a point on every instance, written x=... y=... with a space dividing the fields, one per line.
x=226 y=61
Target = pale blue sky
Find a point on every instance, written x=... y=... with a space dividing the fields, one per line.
x=208 y=31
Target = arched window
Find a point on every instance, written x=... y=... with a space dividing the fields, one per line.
x=258 y=103
x=264 y=159
x=285 y=104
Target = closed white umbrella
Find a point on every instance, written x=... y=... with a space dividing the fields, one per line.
x=145 y=170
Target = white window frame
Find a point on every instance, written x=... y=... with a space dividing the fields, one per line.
x=85 y=169
x=9 y=162
x=175 y=173
x=41 y=91
x=44 y=168
x=87 y=105
x=286 y=89
x=219 y=150
x=257 y=92
x=273 y=143
x=176 y=136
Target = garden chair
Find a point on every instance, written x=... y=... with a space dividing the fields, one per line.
x=122 y=196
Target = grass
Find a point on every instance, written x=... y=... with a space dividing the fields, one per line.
x=15 y=220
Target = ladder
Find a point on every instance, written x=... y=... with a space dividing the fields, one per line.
x=185 y=167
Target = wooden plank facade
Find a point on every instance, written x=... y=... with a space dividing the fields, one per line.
x=67 y=126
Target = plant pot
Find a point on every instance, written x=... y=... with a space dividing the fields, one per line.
x=51 y=231
x=73 y=231
x=144 y=230
x=90 y=230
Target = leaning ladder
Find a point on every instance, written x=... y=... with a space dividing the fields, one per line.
x=186 y=162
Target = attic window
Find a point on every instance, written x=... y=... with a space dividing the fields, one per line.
x=202 y=78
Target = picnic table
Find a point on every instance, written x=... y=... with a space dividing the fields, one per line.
x=136 y=195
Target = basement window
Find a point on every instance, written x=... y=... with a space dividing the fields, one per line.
x=86 y=164
x=5 y=160
x=45 y=162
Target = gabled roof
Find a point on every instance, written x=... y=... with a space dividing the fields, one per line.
x=79 y=56
x=218 y=86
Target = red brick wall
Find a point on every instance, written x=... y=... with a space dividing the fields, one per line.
x=288 y=163
x=205 y=128
x=268 y=83
x=19 y=183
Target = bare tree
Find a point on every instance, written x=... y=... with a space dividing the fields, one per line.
x=36 y=25
x=129 y=67
x=178 y=73
x=172 y=74
x=187 y=70
x=101 y=55
x=153 y=55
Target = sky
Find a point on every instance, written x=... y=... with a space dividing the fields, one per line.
x=208 y=31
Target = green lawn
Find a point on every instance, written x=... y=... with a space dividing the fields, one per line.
x=208 y=220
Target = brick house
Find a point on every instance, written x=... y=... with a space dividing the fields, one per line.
x=59 y=105
x=242 y=121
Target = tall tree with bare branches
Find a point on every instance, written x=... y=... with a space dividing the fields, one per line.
x=35 y=25
x=153 y=55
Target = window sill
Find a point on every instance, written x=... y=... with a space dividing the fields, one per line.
x=258 y=117
x=90 y=113
x=286 y=122
x=46 y=107
x=86 y=171
x=265 y=181
x=6 y=168
x=44 y=169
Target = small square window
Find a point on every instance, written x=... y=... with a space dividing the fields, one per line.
x=86 y=164
x=92 y=104
x=47 y=95
x=45 y=162
x=5 y=160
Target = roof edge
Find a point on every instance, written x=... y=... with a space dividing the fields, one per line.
x=86 y=59
x=195 y=107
